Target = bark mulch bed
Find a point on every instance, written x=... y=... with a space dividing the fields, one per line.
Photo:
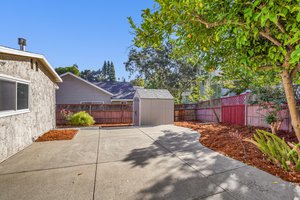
x=227 y=139
x=63 y=134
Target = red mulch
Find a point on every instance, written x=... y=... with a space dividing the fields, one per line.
x=64 y=134
x=221 y=138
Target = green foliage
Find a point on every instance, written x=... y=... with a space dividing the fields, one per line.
x=271 y=99
x=138 y=82
x=91 y=75
x=106 y=73
x=277 y=150
x=248 y=41
x=162 y=71
x=73 y=69
x=111 y=72
x=271 y=118
x=82 y=119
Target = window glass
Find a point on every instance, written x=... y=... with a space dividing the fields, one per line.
x=22 y=96
x=7 y=95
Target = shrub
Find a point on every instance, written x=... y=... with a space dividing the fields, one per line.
x=277 y=150
x=66 y=114
x=82 y=119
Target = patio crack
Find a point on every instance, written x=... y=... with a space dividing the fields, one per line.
x=96 y=168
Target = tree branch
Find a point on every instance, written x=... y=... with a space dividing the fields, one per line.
x=266 y=67
x=215 y=24
x=224 y=22
x=270 y=38
x=294 y=71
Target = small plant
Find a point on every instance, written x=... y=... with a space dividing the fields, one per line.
x=274 y=121
x=82 y=119
x=277 y=150
x=239 y=138
x=66 y=114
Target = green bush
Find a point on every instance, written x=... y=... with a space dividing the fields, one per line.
x=277 y=150
x=82 y=119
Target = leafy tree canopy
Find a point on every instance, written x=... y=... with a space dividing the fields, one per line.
x=252 y=35
x=73 y=69
x=138 y=82
x=161 y=71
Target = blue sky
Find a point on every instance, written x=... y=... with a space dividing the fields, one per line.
x=85 y=32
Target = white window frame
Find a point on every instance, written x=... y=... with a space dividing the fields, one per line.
x=91 y=102
x=16 y=81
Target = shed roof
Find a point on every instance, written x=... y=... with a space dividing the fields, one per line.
x=154 y=94
x=49 y=68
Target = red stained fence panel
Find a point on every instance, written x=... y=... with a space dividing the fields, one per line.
x=233 y=109
x=234 y=114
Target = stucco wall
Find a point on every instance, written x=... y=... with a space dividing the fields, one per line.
x=73 y=91
x=19 y=131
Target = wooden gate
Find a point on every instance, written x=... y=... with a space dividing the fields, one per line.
x=233 y=109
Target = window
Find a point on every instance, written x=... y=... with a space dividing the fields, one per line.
x=22 y=96
x=14 y=96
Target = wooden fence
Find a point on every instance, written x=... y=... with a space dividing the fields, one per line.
x=185 y=112
x=102 y=113
x=232 y=110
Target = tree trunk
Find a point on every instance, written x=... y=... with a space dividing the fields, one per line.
x=287 y=82
x=213 y=109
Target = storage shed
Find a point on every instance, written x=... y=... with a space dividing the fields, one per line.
x=153 y=107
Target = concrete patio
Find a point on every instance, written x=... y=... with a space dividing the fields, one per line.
x=162 y=162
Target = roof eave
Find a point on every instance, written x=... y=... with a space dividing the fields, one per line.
x=6 y=50
x=87 y=82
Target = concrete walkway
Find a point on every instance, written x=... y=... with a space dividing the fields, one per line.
x=163 y=162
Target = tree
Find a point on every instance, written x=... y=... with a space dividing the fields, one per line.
x=111 y=72
x=160 y=71
x=104 y=70
x=272 y=100
x=138 y=82
x=73 y=69
x=89 y=75
x=255 y=35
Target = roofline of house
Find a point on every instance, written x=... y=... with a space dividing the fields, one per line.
x=87 y=82
x=41 y=57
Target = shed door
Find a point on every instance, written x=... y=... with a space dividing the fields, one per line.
x=136 y=111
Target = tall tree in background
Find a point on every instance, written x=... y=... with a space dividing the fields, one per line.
x=90 y=75
x=160 y=71
x=255 y=35
x=111 y=72
x=104 y=70
x=73 y=69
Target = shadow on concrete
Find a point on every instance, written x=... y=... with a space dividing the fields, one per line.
x=209 y=171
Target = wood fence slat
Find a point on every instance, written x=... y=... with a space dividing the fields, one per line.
x=102 y=113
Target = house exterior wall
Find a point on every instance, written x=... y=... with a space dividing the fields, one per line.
x=74 y=91
x=19 y=131
x=157 y=111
